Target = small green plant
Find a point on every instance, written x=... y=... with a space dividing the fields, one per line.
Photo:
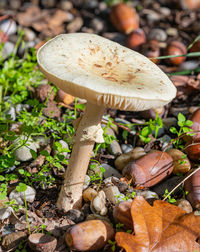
x=169 y=198
x=151 y=126
x=113 y=245
x=184 y=125
x=98 y=176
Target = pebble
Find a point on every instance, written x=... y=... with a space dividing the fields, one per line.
x=52 y=110
x=5 y=212
x=189 y=65
x=153 y=16
x=12 y=240
x=64 y=146
x=97 y=24
x=160 y=132
x=89 y=194
x=91 y=4
x=169 y=122
x=172 y=32
x=165 y=141
x=11 y=113
x=147 y=194
x=165 y=11
x=86 y=182
x=114 y=148
x=23 y=153
x=19 y=196
x=185 y=205
x=48 y=3
x=126 y=148
x=110 y=171
x=29 y=35
x=122 y=160
x=66 y=5
x=7 y=49
x=113 y=194
x=111 y=181
x=181 y=162
x=97 y=217
x=98 y=204
x=75 y=215
x=75 y=25
x=158 y=34
x=9 y=27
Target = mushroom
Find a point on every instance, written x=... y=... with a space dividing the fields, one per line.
x=106 y=74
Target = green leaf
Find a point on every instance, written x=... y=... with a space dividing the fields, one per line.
x=2 y=178
x=44 y=153
x=3 y=195
x=21 y=187
x=173 y=130
x=188 y=123
x=33 y=154
x=186 y=129
x=181 y=118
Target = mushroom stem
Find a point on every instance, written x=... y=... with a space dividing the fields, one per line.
x=87 y=133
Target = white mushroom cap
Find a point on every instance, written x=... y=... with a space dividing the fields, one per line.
x=105 y=73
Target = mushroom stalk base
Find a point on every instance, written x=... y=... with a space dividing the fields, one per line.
x=70 y=196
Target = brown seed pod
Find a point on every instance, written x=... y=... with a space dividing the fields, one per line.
x=64 y=97
x=122 y=214
x=153 y=51
x=192 y=186
x=193 y=151
x=195 y=117
x=136 y=38
x=149 y=169
x=195 y=47
x=176 y=48
x=89 y=235
x=124 y=18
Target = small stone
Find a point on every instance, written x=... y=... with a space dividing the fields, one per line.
x=97 y=25
x=126 y=148
x=189 y=65
x=52 y=110
x=19 y=196
x=2 y=202
x=147 y=194
x=185 y=205
x=91 y=4
x=165 y=11
x=75 y=25
x=181 y=162
x=48 y=3
x=158 y=34
x=23 y=153
x=169 y=122
x=122 y=160
x=86 y=182
x=7 y=49
x=153 y=16
x=110 y=171
x=111 y=181
x=89 y=194
x=29 y=35
x=172 y=32
x=97 y=217
x=11 y=113
x=5 y=212
x=11 y=241
x=75 y=215
x=41 y=140
x=9 y=27
x=113 y=194
x=114 y=148
x=98 y=204
x=44 y=91
x=66 y=5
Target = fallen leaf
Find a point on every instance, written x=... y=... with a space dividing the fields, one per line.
x=162 y=227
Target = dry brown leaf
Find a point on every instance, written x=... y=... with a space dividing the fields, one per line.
x=162 y=227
